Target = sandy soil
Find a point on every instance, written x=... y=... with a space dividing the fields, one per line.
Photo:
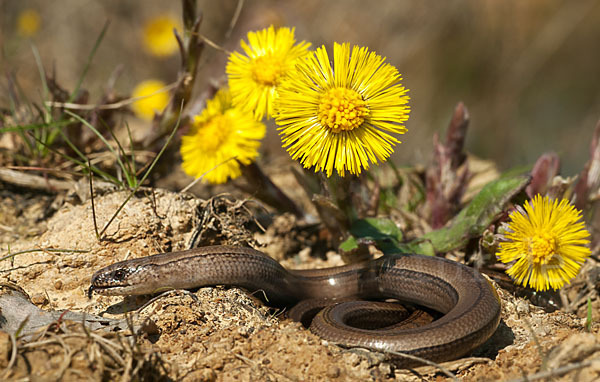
x=218 y=334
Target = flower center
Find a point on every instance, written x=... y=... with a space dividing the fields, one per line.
x=214 y=134
x=342 y=109
x=542 y=247
x=266 y=70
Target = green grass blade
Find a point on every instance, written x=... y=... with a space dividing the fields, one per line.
x=106 y=176
x=126 y=167
x=588 y=320
x=132 y=148
x=110 y=148
x=89 y=61
x=40 y=66
x=51 y=250
x=35 y=126
x=162 y=150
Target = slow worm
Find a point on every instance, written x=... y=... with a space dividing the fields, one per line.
x=469 y=304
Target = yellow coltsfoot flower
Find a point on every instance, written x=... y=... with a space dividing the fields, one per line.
x=340 y=117
x=28 y=22
x=151 y=99
x=221 y=138
x=253 y=78
x=159 y=36
x=547 y=243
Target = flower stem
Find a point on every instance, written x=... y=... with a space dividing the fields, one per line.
x=263 y=188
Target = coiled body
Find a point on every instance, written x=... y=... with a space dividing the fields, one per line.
x=468 y=303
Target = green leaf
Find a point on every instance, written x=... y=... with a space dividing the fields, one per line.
x=473 y=219
x=376 y=229
x=382 y=232
x=422 y=246
x=348 y=245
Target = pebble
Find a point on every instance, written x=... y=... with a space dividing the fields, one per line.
x=204 y=375
x=385 y=369
x=333 y=371
x=39 y=299
x=523 y=307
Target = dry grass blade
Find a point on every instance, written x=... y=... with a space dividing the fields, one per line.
x=66 y=361
x=110 y=106
x=445 y=371
x=126 y=373
x=198 y=179
x=235 y=18
x=555 y=372
x=46 y=250
x=110 y=348
x=13 y=356
x=34 y=182
x=106 y=357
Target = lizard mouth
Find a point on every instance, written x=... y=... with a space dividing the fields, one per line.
x=91 y=291
x=101 y=289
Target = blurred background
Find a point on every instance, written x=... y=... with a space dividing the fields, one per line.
x=527 y=71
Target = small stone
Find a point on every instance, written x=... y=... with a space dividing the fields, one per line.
x=385 y=369
x=354 y=359
x=204 y=375
x=149 y=327
x=39 y=299
x=584 y=323
x=333 y=371
x=522 y=307
x=58 y=284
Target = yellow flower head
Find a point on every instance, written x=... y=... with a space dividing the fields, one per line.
x=546 y=241
x=254 y=77
x=159 y=38
x=220 y=139
x=153 y=101
x=28 y=22
x=340 y=116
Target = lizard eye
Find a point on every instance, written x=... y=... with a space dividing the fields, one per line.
x=119 y=274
